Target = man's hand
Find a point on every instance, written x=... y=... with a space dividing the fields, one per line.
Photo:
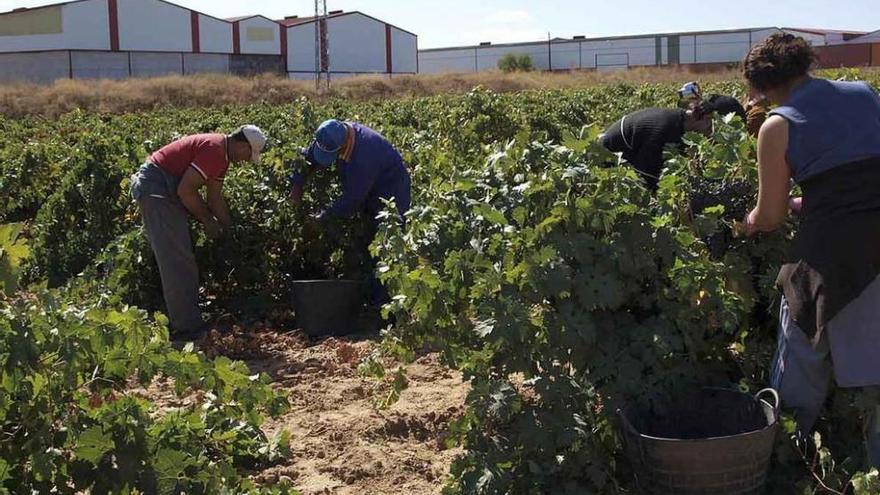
x=213 y=228
x=296 y=195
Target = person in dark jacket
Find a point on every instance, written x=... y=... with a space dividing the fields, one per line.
x=371 y=170
x=642 y=136
x=825 y=135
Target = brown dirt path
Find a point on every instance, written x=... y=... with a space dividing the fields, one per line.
x=342 y=442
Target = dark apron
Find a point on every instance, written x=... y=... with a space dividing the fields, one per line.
x=836 y=251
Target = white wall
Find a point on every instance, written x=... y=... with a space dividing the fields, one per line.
x=567 y=55
x=614 y=53
x=488 y=56
x=84 y=26
x=42 y=67
x=251 y=33
x=153 y=25
x=100 y=65
x=664 y=51
x=717 y=48
x=301 y=47
x=357 y=44
x=199 y=63
x=404 y=51
x=154 y=64
x=813 y=38
x=686 y=50
x=451 y=60
x=215 y=36
x=87 y=25
x=759 y=36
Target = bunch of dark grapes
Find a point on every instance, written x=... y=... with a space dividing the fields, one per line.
x=737 y=196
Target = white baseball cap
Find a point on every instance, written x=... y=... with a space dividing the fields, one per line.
x=256 y=138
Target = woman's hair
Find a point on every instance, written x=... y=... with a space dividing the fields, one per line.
x=778 y=60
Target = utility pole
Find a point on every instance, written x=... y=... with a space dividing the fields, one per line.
x=322 y=48
x=549 y=52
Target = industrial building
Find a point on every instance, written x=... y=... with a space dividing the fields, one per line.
x=580 y=52
x=117 y=39
x=353 y=46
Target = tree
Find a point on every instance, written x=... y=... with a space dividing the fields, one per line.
x=513 y=62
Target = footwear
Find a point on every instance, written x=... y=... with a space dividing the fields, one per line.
x=193 y=335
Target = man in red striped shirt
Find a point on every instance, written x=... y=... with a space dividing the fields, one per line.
x=167 y=189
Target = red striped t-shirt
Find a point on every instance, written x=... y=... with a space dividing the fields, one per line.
x=206 y=153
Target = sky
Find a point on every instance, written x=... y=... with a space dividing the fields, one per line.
x=463 y=22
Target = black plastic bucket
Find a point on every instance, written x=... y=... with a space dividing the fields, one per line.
x=714 y=441
x=327 y=307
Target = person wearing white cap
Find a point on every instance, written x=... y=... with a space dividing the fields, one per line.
x=167 y=188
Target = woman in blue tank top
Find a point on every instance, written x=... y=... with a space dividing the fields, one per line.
x=824 y=135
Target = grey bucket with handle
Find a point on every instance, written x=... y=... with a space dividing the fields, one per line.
x=718 y=442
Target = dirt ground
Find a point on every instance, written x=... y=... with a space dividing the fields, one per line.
x=342 y=441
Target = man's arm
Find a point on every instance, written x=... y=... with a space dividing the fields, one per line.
x=358 y=187
x=217 y=204
x=188 y=191
x=298 y=181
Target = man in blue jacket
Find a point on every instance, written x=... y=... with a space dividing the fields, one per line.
x=370 y=170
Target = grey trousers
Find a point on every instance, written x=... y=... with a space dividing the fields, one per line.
x=803 y=374
x=167 y=226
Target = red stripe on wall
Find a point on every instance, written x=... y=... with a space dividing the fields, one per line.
x=388 y=65
x=113 y=10
x=284 y=46
x=194 y=22
x=236 y=38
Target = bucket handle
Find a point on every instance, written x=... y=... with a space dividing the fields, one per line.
x=774 y=394
x=628 y=427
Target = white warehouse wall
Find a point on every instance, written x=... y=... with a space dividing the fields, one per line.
x=84 y=26
x=215 y=36
x=451 y=60
x=199 y=63
x=151 y=25
x=687 y=50
x=154 y=64
x=259 y=36
x=357 y=44
x=42 y=67
x=87 y=25
x=566 y=55
x=100 y=65
x=728 y=47
x=301 y=48
x=488 y=56
x=619 y=52
x=404 y=51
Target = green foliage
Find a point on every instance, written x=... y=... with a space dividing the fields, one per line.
x=559 y=287
x=71 y=421
x=515 y=62
x=13 y=252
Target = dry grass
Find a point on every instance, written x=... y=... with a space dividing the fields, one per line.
x=135 y=95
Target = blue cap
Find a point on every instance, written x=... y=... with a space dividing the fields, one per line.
x=329 y=139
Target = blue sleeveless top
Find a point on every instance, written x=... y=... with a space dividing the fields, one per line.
x=830 y=124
